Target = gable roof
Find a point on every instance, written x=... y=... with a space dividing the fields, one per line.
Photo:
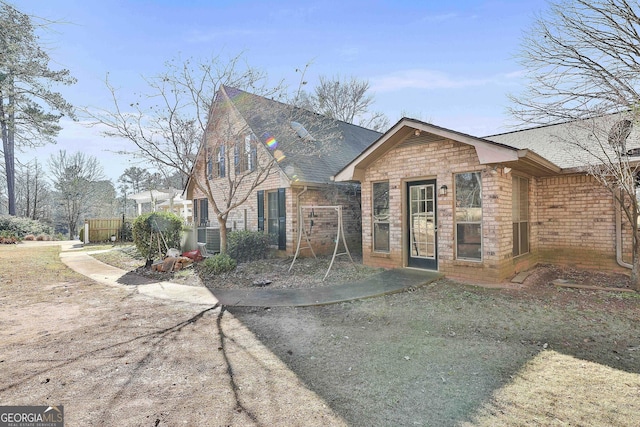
x=488 y=151
x=317 y=147
x=554 y=142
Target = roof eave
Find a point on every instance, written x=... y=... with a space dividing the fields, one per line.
x=487 y=151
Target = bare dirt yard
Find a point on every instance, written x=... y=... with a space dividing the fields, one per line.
x=446 y=354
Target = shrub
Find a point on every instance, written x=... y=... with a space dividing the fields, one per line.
x=23 y=226
x=248 y=245
x=43 y=238
x=147 y=229
x=30 y=237
x=126 y=232
x=220 y=263
x=81 y=234
x=8 y=237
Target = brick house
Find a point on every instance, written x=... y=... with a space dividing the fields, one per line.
x=264 y=159
x=483 y=209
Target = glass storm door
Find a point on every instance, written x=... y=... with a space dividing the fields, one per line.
x=422 y=238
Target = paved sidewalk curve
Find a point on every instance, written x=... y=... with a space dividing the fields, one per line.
x=386 y=282
x=87 y=265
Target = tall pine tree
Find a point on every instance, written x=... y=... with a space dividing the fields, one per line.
x=29 y=110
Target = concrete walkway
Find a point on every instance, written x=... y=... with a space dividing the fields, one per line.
x=386 y=282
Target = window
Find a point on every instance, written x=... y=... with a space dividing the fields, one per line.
x=245 y=155
x=469 y=216
x=380 y=206
x=209 y=164
x=220 y=162
x=520 y=214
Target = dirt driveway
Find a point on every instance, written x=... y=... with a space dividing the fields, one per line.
x=444 y=355
x=114 y=357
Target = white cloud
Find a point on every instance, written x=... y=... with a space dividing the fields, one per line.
x=431 y=79
x=444 y=17
x=349 y=53
x=199 y=36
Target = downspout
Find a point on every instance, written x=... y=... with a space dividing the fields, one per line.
x=619 y=259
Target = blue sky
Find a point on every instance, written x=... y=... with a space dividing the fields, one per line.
x=450 y=63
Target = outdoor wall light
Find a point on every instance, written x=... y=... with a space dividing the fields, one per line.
x=443 y=190
x=416 y=132
x=506 y=170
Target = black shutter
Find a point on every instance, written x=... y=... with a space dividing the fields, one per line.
x=261 y=210
x=282 y=220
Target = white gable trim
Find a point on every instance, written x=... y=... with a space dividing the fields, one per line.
x=487 y=151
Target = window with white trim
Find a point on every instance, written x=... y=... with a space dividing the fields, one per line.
x=468 y=216
x=520 y=215
x=245 y=155
x=380 y=205
x=220 y=162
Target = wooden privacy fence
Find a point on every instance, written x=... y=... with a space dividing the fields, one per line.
x=101 y=229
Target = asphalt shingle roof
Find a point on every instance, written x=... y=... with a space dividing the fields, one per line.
x=333 y=143
x=556 y=142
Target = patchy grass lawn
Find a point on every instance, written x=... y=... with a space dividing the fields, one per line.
x=448 y=354
x=451 y=354
x=114 y=357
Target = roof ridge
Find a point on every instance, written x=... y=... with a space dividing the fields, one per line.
x=569 y=121
x=294 y=107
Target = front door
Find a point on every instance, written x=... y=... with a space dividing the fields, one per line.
x=422 y=238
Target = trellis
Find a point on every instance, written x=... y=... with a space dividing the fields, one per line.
x=303 y=232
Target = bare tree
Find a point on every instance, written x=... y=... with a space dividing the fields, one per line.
x=33 y=195
x=583 y=63
x=168 y=124
x=347 y=100
x=74 y=178
x=194 y=110
x=29 y=110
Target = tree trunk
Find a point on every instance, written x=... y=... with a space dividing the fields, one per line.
x=635 y=246
x=9 y=162
x=9 y=159
x=635 y=270
x=222 y=221
x=9 y=153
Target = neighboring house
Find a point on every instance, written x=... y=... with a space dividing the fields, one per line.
x=246 y=132
x=483 y=209
x=166 y=200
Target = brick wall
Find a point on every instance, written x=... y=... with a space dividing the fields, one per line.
x=576 y=222
x=323 y=232
x=245 y=215
x=417 y=159
x=325 y=221
x=571 y=218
